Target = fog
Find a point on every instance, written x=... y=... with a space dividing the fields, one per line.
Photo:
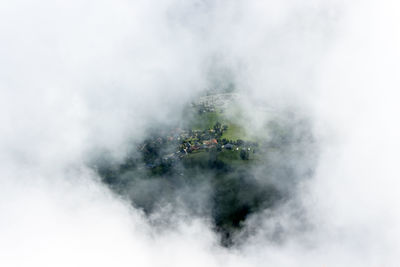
x=79 y=79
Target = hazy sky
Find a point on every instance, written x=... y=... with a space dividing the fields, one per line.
x=80 y=75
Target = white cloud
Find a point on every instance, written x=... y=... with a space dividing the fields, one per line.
x=82 y=74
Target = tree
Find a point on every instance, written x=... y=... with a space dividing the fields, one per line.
x=244 y=154
x=217 y=128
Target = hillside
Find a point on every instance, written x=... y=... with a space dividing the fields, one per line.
x=209 y=165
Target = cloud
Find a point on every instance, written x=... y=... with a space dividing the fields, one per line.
x=80 y=76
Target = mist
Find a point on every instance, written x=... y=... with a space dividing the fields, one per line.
x=83 y=80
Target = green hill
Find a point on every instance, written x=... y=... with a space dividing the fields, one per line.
x=209 y=164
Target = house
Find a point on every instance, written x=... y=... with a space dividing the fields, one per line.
x=210 y=142
x=228 y=146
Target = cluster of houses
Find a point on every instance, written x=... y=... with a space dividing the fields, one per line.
x=208 y=103
x=188 y=147
x=196 y=141
x=189 y=141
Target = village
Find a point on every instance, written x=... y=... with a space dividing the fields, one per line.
x=179 y=143
x=210 y=102
x=175 y=144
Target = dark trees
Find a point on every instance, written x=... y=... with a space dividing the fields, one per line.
x=244 y=154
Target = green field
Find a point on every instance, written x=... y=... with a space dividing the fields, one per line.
x=234 y=132
x=208 y=119
x=205 y=120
